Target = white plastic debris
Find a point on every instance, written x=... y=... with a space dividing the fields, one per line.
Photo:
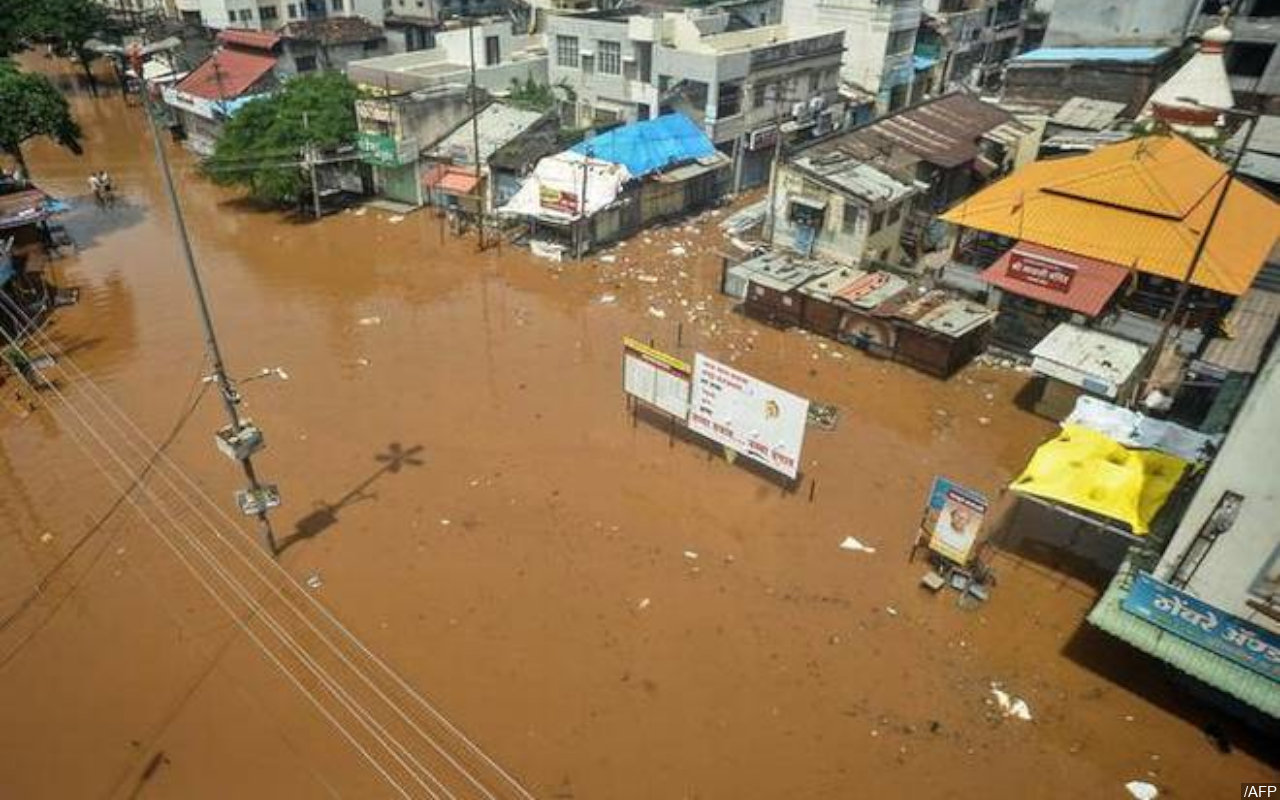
x=647 y=278
x=643 y=604
x=314 y=581
x=396 y=220
x=606 y=299
x=657 y=312
x=689 y=554
x=893 y=612
x=360 y=212
x=678 y=250
x=370 y=321
x=854 y=546
x=1010 y=705
x=609 y=259
x=46 y=537
x=1141 y=790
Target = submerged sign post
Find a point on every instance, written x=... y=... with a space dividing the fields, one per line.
x=953 y=519
x=656 y=378
x=747 y=415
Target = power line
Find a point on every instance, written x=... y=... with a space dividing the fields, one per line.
x=229 y=542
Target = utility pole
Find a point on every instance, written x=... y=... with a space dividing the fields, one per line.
x=780 y=103
x=475 y=130
x=1180 y=298
x=310 y=156
x=260 y=498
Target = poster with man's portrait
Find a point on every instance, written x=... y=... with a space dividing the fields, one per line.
x=956 y=515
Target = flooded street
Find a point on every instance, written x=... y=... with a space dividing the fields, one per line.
x=530 y=574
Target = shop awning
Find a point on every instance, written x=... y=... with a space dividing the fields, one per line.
x=1083 y=469
x=452 y=180
x=1057 y=278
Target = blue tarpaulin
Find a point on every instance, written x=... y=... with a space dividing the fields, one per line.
x=922 y=63
x=650 y=146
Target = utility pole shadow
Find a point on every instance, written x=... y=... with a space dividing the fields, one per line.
x=325 y=515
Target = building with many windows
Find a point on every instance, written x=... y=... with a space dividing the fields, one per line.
x=742 y=87
x=272 y=14
x=880 y=40
x=969 y=41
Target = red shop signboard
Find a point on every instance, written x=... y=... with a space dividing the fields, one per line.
x=1040 y=271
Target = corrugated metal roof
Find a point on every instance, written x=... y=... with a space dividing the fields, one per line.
x=872 y=289
x=1142 y=203
x=227 y=74
x=1087 y=113
x=1265 y=138
x=1241 y=683
x=1251 y=322
x=258 y=40
x=1089 y=352
x=1092 y=284
x=942 y=131
x=778 y=271
x=824 y=287
x=1128 y=54
x=498 y=124
x=955 y=317
x=1084 y=140
x=855 y=177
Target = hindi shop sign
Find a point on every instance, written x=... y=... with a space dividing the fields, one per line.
x=1047 y=273
x=558 y=200
x=747 y=415
x=656 y=378
x=1203 y=625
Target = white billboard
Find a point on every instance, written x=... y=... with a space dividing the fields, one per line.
x=656 y=378
x=747 y=415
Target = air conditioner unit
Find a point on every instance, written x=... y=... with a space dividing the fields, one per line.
x=828 y=121
x=816 y=104
x=799 y=110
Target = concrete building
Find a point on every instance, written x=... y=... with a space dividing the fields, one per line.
x=880 y=39
x=395 y=129
x=829 y=203
x=326 y=44
x=272 y=14
x=501 y=57
x=496 y=126
x=1050 y=76
x=1216 y=587
x=970 y=40
x=1120 y=23
x=741 y=87
x=241 y=69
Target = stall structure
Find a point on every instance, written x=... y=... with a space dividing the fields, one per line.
x=1035 y=288
x=1072 y=361
x=937 y=332
x=863 y=325
x=774 y=291
x=820 y=312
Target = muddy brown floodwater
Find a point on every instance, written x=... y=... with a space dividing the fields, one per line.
x=530 y=574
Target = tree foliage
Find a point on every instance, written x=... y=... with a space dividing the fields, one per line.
x=261 y=146
x=535 y=96
x=31 y=106
x=67 y=24
x=14 y=15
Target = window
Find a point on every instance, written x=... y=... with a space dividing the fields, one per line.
x=267 y=13
x=588 y=63
x=567 y=52
x=1248 y=59
x=877 y=221
x=293 y=11
x=337 y=5
x=305 y=63
x=901 y=41
x=492 y=50
x=246 y=15
x=730 y=101
x=758 y=93
x=610 y=60
x=851 y=214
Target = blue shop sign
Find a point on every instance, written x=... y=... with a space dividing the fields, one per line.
x=1204 y=625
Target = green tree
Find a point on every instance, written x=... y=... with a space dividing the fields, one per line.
x=68 y=24
x=260 y=147
x=32 y=106
x=13 y=23
x=536 y=96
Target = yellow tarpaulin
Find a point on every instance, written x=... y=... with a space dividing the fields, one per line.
x=1084 y=469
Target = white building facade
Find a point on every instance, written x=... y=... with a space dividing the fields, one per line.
x=880 y=38
x=739 y=86
x=271 y=14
